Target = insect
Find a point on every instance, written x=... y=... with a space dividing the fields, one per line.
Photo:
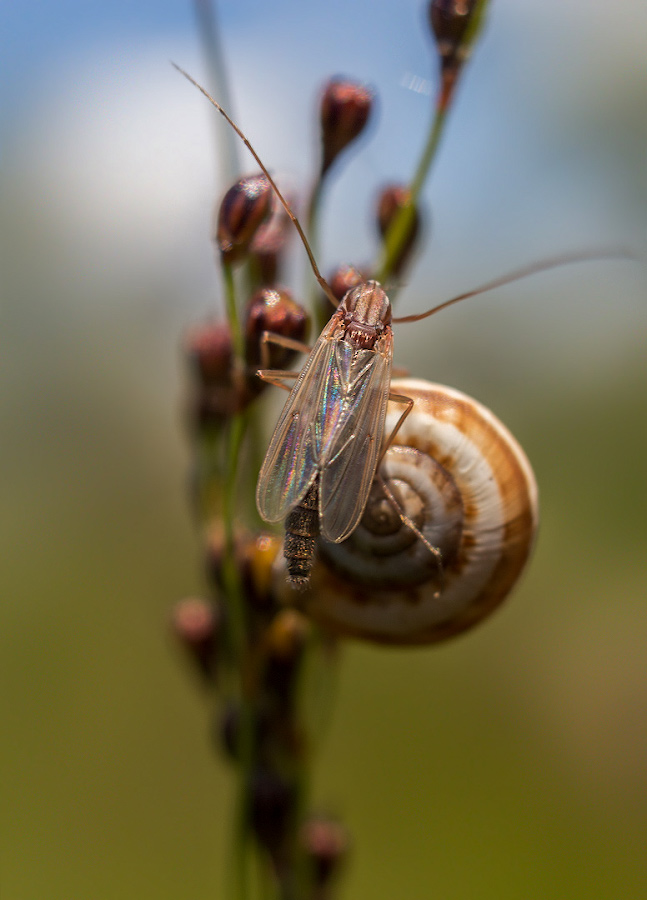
x=325 y=451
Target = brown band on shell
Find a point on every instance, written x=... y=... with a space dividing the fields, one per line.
x=500 y=519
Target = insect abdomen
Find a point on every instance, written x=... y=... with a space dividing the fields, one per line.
x=301 y=532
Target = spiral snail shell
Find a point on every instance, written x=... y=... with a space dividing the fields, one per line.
x=458 y=474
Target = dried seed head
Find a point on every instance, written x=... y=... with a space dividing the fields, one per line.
x=227 y=728
x=208 y=348
x=287 y=635
x=242 y=211
x=391 y=200
x=284 y=642
x=273 y=310
x=345 y=108
x=344 y=278
x=196 y=623
x=325 y=842
x=272 y=805
x=213 y=405
x=455 y=25
x=341 y=281
x=449 y=20
x=269 y=243
x=255 y=555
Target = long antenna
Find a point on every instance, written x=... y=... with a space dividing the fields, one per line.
x=286 y=206
x=551 y=263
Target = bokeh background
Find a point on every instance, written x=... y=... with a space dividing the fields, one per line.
x=508 y=763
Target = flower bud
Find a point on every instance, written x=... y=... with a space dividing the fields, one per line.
x=273 y=310
x=272 y=805
x=325 y=842
x=449 y=20
x=228 y=728
x=267 y=248
x=209 y=350
x=196 y=624
x=255 y=555
x=344 y=278
x=340 y=281
x=287 y=635
x=284 y=643
x=455 y=29
x=345 y=108
x=242 y=211
x=391 y=200
x=213 y=405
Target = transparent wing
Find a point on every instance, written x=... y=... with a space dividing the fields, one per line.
x=294 y=455
x=352 y=455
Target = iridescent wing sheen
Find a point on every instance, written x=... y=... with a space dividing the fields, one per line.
x=332 y=424
x=292 y=460
x=350 y=466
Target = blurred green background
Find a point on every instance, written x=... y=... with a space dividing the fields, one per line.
x=509 y=763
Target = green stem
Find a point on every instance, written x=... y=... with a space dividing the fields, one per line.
x=237 y=625
x=397 y=233
x=236 y=612
x=237 y=337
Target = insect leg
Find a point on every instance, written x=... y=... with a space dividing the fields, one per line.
x=275 y=376
x=399 y=398
x=279 y=340
x=435 y=552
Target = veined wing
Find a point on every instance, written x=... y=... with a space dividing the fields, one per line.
x=294 y=455
x=352 y=456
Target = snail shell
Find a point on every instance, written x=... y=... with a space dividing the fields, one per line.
x=459 y=475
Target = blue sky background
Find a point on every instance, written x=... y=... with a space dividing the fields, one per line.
x=544 y=151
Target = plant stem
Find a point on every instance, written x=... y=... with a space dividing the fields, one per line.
x=397 y=233
x=235 y=600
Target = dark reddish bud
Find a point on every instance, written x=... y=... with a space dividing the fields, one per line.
x=210 y=352
x=345 y=108
x=196 y=624
x=344 y=278
x=212 y=406
x=273 y=310
x=272 y=806
x=255 y=555
x=267 y=248
x=455 y=28
x=284 y=642
x=325 y=842
x=287 y=635
x=243 y=210
x=222 y=390
x=391 y=200
x=340 y=281
x=228 y=728
x=449 y=20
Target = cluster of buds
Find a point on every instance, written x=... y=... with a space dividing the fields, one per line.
x=224 y=376
x=276 y=641
x=240 y=634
